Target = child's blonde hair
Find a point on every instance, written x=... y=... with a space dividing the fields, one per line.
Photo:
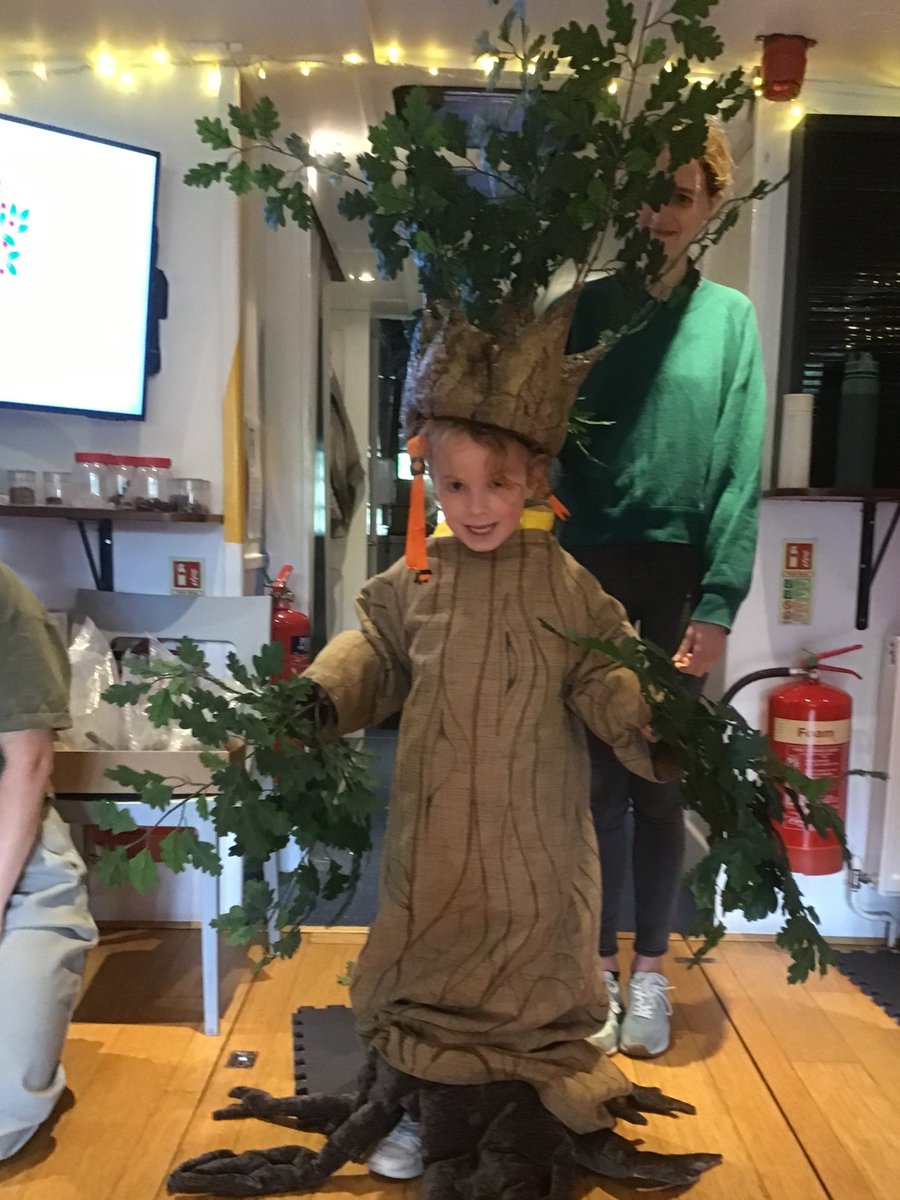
x=498 y=442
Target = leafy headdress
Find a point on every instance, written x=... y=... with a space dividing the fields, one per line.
x=495 y=212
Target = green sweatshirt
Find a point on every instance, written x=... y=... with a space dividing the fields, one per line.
x=681 y=460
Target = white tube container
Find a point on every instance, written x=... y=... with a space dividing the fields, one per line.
x=796 y=440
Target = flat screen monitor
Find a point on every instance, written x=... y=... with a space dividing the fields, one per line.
x=77 y=220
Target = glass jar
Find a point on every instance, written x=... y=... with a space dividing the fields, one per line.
x=190 y=496
x=150 y=484
x=89 y=487
x=22 y=487
x=57 y=487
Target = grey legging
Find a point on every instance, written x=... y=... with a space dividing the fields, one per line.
x=658 y=583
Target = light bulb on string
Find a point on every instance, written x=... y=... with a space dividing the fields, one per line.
x=160 y=57
x=212 y=81
x=40 y=69
x=105 y=64
x=6 y=95
x=261 y=72
x=353 y=59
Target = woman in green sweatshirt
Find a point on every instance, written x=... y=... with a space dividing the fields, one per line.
x=664 y=511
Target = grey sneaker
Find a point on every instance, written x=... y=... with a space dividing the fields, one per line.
x=645 y=1029
x=607 y=1038
x=399 y=1155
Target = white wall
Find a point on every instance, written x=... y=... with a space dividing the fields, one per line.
x=198 y=250
x=758 y=640
x=351 y=358
x=282 y=308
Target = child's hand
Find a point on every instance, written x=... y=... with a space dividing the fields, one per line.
x=648 y=735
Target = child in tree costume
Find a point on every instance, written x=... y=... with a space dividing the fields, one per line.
x=481 y=963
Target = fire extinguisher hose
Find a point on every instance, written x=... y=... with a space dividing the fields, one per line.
x=755 y=676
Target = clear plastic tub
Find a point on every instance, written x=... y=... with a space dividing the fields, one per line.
x=22 y=487
x=150 y=484
x=190 y=496
x=119 y=480
x=89 y=486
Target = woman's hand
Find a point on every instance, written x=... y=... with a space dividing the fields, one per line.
x=701 y=648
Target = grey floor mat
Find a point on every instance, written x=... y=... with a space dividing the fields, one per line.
x=877 y=973
x=328 y=1055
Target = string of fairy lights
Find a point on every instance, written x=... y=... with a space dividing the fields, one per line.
x=127 y=71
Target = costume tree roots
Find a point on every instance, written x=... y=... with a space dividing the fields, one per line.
x=481 y=1140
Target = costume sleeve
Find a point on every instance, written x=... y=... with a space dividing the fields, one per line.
x=733 y=486
x=366 y=672
x=607 y=696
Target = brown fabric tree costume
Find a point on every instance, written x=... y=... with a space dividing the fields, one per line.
x=481 y=963
x=480 y=980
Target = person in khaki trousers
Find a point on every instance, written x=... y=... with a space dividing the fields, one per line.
x=45 y=926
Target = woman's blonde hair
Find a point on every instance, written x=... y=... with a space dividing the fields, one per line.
x=716 y=160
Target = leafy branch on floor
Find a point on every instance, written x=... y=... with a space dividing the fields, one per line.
x=291 y=779
x=737 y=785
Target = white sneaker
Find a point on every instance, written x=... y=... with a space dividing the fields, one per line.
x=607 y=1038
x=399 y=1155
x=645 y=1029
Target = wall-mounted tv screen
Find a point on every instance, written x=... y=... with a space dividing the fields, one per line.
x=77 y=220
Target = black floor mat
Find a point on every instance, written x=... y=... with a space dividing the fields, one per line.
x=877 y=973
x=328 y=1055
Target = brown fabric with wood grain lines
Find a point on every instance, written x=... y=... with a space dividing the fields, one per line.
x=482 y=961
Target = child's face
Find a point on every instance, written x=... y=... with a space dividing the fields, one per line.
x=482 y=499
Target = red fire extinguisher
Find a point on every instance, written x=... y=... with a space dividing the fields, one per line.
x=809 y=728
x=289 y=626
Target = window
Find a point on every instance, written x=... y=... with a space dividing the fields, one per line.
x=842 y=277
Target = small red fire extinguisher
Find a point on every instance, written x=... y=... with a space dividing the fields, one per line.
x=289 y=626
x=809 y=728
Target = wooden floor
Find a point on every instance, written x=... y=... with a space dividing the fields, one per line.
x=796 y=1086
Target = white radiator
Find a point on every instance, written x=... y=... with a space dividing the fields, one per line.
x=883 y=835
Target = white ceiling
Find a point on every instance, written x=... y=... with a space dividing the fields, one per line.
x=858 y=39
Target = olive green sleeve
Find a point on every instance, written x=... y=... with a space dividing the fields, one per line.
x=33 y=661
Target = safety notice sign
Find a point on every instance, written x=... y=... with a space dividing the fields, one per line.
x=798 y=573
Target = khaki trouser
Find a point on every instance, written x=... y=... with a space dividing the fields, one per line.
x=48 y=930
